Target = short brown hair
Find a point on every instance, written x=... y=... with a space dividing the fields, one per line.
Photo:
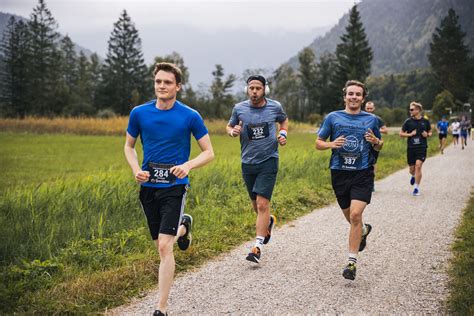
x=418 y=105
x=169 y=67
x=356 y=83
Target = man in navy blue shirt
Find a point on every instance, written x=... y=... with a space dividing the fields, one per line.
x=416 y=129
x=354 y=136
x=165 y=126
x=254 y=120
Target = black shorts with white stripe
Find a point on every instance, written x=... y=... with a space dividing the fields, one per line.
x=163 y=208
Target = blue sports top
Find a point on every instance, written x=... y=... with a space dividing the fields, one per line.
x=165 y=137
x=356 y=153
x=258 y=139
x=443 y=127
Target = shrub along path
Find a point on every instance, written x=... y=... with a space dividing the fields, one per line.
x=402 y=270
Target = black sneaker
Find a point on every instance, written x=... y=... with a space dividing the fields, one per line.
x=349 y=271
x=159 y=313
x=254 y=255
x=185 y=241
x=363 y=241
x=270 y=226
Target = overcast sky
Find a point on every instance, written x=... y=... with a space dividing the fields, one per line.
x=90 y=22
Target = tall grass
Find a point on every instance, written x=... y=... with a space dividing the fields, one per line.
x=78 y=244
x=98 y=126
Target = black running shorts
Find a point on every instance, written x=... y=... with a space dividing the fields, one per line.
x=441 y=136
x=352 y=185
x=163 y=208
x=260 y=178
x=414 y=154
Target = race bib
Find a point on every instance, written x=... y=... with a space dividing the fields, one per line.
x=416 y=140
x=160 y=173
x=258 y=131
x=350 y=160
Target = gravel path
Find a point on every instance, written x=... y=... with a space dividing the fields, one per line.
x=402 y=270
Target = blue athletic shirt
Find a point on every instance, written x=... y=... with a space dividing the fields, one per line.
x=165 y=135
x=357 y=153
x=443 y=127
x=258 y=139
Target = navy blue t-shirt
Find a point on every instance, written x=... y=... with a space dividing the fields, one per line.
x=356 y=153
x=165 y=136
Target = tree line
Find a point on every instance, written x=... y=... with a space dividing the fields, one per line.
x=42 y=74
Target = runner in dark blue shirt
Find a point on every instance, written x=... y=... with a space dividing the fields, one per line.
x=165 y=126
x=417 y=129
x=354 y=136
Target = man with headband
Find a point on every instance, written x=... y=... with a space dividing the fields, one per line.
x=254 y=121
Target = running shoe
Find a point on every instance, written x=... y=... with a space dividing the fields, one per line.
x=349 y=271
x=416 y=192
x=254 y=255
x=363 y=242
x=185 y=241
x=159 y=313
x=270 y=226
x=412 y=180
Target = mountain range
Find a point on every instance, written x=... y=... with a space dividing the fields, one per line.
x=399 y=32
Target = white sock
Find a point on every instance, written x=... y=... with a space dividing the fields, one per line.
x=352 y=258
x=416 y=186
x=259 y=242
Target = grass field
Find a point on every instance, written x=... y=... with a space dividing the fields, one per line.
x=73 y=236
x=461 y=300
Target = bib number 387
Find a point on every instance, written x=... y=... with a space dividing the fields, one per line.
x=160 y=173
x=350 y=161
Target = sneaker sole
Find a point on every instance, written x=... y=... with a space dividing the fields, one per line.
x=347 y=275
x=190 y=237
x=268 y=237
x=252 y=259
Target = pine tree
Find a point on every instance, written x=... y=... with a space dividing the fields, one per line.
x=125 y=74
x=326 y=98
x=449 y=57
x=308 y=75
x=13 y=74
x=220 y=90
x=286 y=88
x=96 y=81
x=354 y=54
x=43 y=69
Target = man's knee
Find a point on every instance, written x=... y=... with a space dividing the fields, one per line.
x=356 y=217
x=262 y=204
x=165 y=246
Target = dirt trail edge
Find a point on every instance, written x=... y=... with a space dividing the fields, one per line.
x=402 y=270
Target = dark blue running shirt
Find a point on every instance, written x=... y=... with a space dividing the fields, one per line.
x=357 y=153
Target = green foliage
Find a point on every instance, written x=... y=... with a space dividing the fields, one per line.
x=461 y=273
x=308 y=76
x=449 y=57
x=353 y=54
x=124 y=70
x=443 y=102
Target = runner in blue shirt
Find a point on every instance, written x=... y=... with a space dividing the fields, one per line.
x=354 y=136
x=165 y=126
x=254 y=120
x=442 y=128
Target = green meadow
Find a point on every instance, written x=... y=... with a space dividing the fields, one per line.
x=74 y=238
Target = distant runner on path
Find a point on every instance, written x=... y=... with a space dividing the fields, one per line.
x=442 y=128
x=417 y=129
x=354 y=136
